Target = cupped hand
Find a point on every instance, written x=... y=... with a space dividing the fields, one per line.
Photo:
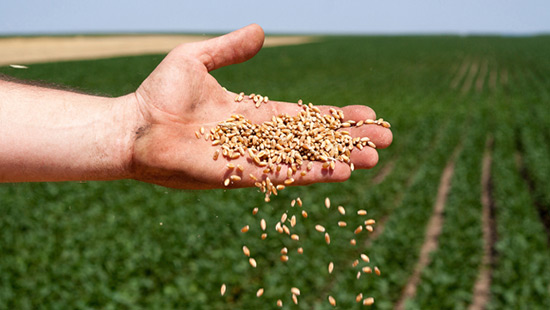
x=180 y=96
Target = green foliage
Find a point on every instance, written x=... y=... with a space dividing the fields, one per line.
x=102 y=245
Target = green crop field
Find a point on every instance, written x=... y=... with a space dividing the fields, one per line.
x=452 y=101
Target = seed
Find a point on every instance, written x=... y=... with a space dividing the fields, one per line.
x=368 y=301
x=365 y=258
x=264 y=235
x=254 y=211
x=327 y=238
x=284 y=258
x=279 y=303
x=216 y=154
x=359 y=297
x=284 y=217
x=230 y=166
x=327 y=202
x=284 y=251
x=300 y=250
x=341 y=210
x=309 y=166
x=358 y=275
x=197 y=134
x=361 y=212
x=293 y=202
x=299 y=201
x=332 y=165
x=371 y=144
x=367 y=269
x=202 y=130
x=377 y=271
x=352 y=242
x=222 y=289
x=295 y=237
x=370 y=222
x=303 y=173
x=330 y=267
x=286 y=229
x=235 y=178
x=319 y=228
x=260 y=292
x=245 y=228
x=358 y=229
x=295 y=291
x=289 y=172
x=280 y=187
x=246 y=251
x=253 y=177
x=226 y=182
x=332 y=301
x=369 y=228
x=252 y=262
x=342 y=224
x=240 y=168
x=304 y=213
x=263 y=224
x=355 y=263
x=293 y=221
x=352 y=167
x=289 y=181
x=294 y=299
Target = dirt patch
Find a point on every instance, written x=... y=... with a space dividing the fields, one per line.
x=461 y=73
x=481 y=77
x=432 y=231
x=482 y=287
x=22 y=50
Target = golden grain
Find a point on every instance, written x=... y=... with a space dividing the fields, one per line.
x=370 y=222
x=284 y=258
x=358 y=230
x=260 y=292
x=369 y=228
x=368 y=301
x=300 y=250
x=359 y=297
x=254 y=211
x=367 y=269
x=263 y=224
x=222 y=289
x=264 y=235
x=361 y=212
x=341 y=210
x=342 y=224
x=353 y=242
x=279 y=303
x=293 y=221
x=295 y=291
x=299 y=201
x=319 y=228
x=246 y=251
x=235 y=178
x=252 y=262
x=332 y=301
x=245 y=228
x=295 y=237
x=226 y=182
x=377 y=271
x=327 y=202
x=304 y=213
x=355 y=263
x=327 y=238
x=365 y=258
x=330 y=267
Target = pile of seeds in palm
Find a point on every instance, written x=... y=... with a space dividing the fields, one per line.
x=292 y=143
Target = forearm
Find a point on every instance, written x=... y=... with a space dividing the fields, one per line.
x=54 y=135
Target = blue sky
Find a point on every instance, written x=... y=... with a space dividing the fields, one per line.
x=514 y=17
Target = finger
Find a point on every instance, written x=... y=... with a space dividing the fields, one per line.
x=232 y=48
x=365 y=158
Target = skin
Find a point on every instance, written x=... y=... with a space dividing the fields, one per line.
x=149 y=135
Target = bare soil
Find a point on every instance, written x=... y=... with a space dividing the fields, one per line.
x=29 y=50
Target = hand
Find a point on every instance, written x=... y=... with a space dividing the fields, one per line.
x=180 y=97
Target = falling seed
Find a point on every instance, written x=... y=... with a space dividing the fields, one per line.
x=246 y=251
x=226 y=182
x=309 y=166
x=18 y=66
x=216 y=154
x=252 y=262
x=342 y=224
x=361 y=212
x=341 y=210
x=358 y=230
x=222 y=289
x=358 y=275
x=254 y=211
x=280 y=187
x=293 y=221
x=352 y=242
x=367 y=269
x=289 y=181
x=327 y=202
x=295 y=291
x=369 y=228
x=299 y=201
x=284 y=258
x=352 y=167
x=332 y=165
x=300 y=250
x=294 y=299
x=327 y=238
x=289 y=172
x=368 y=301
x=319 y=228
x=365 y=258
x=286 y=229
x=197 y=134
x=304 y=213
x=279 y=303
x=370 y=222
x=245 y=229
x=330 y=267
x=284 y=217
x=377 y=271
x=253 y=177
x=355 y=263
x=359 y=297
x=295 y=237
x=263 y=224
x=264 y=236
x=293 y=202
x=284 y=251
x=332 y=301
x=260 y=292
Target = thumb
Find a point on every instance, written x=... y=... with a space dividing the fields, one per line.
x=232 y=48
